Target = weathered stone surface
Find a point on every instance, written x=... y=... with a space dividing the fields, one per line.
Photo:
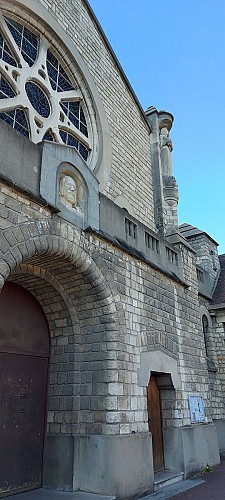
x=121 y=298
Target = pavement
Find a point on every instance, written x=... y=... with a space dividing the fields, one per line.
x=209 y=485
x=45 y=494
x=204 y=486
x=213 y=487
x=174 y=489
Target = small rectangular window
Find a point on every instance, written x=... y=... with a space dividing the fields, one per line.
x=171 y=256
x=130 y=228
x=151 y=242
x=200 y=276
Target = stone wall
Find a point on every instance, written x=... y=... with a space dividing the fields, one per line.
x=129 y=130
x=217 y=380
x=116 y=312
x=206 y=256
x=106 y=332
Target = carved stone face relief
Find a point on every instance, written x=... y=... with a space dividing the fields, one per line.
x=68 y=192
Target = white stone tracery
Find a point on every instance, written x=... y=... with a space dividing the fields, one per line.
x=58 y=123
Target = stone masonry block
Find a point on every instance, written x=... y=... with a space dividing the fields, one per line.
x=4 y=244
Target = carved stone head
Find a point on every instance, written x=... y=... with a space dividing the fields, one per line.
x=68 y=191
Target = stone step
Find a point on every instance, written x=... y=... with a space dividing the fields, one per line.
x=166 y=478
x=174 y=489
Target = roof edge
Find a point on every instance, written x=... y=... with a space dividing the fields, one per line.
x=199 y=232
x=214 y=307
x=98 y=25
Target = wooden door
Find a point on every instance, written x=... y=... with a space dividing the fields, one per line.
x=24 y=349
x=155 y=423
x=22 y=421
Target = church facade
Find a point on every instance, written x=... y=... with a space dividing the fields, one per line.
x=112 y=317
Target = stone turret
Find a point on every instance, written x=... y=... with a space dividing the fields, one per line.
x=205 y=248
x=165 y=185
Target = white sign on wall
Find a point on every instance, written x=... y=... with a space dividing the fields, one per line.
x=197 y=410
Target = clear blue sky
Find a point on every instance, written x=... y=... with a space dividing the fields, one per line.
x=173 y=53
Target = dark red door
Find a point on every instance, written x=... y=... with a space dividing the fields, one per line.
x=22 y=396
x=155 y=423
x=23 y=386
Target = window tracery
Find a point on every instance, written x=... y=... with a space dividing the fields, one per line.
x=37 y=97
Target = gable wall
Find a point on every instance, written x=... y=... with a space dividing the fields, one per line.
x=131 y=169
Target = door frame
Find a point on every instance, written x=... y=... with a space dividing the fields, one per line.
x=155 y=423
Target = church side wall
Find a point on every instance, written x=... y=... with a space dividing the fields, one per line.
x=149 y=316
x=154 y=312
x=116 y=313
x=216 y=353
x=131 y=165
x=206 y=256
x=217 y=380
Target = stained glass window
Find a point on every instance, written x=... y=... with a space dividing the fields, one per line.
x=5 y=89
x=70 y=140
x=57 y=76
x=49 y=136
x=83 y=151
x=34 y=93
x=25 y=39
x=5 y=52
x=17 y=119
x=74 y=112
x=38 y=99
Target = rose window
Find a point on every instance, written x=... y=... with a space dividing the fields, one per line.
x=37 y=96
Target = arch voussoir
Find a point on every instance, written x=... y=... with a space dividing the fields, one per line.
x=44 y=237
x=16 y=253
x=4 y=270
x=4 y=244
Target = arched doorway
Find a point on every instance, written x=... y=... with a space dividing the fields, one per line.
x=24 y=352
